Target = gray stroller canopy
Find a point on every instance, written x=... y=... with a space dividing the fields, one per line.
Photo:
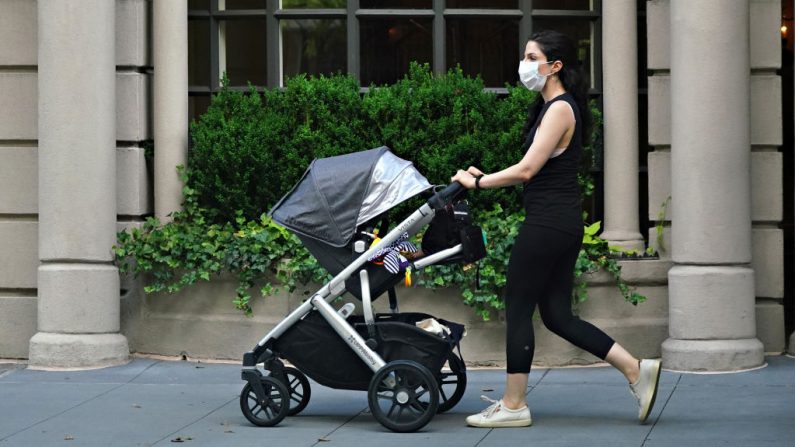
x=337 y=194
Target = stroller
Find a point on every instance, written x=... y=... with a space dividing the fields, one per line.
x=334 y=210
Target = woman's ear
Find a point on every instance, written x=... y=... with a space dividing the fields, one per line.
x=556 y=67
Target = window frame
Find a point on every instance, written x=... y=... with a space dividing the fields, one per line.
x=352 y=14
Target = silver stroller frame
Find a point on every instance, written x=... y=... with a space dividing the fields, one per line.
x=322 y=298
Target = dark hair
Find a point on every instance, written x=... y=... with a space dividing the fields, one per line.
x=559 y=47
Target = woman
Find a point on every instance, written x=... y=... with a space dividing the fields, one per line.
x=541 y=267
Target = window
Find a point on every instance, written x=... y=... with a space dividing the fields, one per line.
x=389 y=45
x=485 y=47
x=313 y=46
x=266 y=41
x=242 y=52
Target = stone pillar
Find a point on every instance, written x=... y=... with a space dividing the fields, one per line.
x=170 y=35
x=712 y=324
x=620 y=86
x=78 y=285
x=791 y=344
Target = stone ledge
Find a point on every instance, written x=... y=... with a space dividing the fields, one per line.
x=201 y=322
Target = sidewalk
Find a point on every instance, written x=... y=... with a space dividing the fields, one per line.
x=153 y=402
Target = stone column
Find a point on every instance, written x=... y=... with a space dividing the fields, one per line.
x=170 y=35
x=620 y=98
x=712 y=324
x=791 y=345
x=78 y=285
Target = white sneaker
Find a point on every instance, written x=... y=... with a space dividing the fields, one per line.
x=497 y=415
x=645 y=389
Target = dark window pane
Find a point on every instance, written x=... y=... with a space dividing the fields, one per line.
x=199 y=52
x=408 y=4
x=642 y=62
x=197 y=105
x=484 y=4
x=643 y=130
x=563 y=4
x=485 y=47
x=242 y=51
x=580 y=31
x=199 y=4
x=286 y=4
x=313 y=46
x=241 y=4
x=387 y=47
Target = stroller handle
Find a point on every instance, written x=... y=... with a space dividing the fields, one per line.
x=444 y=197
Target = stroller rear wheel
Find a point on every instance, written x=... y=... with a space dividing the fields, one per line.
x=271 y=408
x=403 y=396
x=452 y=383
x=298 y=387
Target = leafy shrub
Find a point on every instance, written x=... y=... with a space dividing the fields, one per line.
x=249 y=149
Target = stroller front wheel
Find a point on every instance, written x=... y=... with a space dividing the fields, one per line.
x=270 y=408
x=298 y=387
x=403 y=396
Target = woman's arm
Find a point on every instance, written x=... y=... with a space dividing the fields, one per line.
x=557 y=120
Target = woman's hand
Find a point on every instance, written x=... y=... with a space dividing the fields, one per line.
x=475 y=171
x=466 y=179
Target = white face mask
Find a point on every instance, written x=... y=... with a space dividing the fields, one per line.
x=530 y=77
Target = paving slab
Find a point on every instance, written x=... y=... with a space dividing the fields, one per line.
x=327 y=410
x=154 y=402
x=24 y=406
x=727 y=415
x=114 y=374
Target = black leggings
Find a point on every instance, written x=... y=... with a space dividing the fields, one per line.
x=541 y=271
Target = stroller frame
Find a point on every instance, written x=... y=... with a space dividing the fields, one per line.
x=322 y=298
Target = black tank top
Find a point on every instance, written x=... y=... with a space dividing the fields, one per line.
x=552 y=197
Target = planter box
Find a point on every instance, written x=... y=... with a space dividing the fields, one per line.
x=201 y=322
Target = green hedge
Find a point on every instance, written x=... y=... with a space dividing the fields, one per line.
x=250 y=148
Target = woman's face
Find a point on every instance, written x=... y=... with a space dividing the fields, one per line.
x=533 y=53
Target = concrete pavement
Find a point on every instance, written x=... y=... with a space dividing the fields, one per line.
x=154 y=402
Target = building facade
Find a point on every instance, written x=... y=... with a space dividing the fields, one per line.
x=697 y=147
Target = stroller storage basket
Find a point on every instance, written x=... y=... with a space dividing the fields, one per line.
x=312 y=346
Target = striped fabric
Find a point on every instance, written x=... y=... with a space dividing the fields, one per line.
x=393 y=261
